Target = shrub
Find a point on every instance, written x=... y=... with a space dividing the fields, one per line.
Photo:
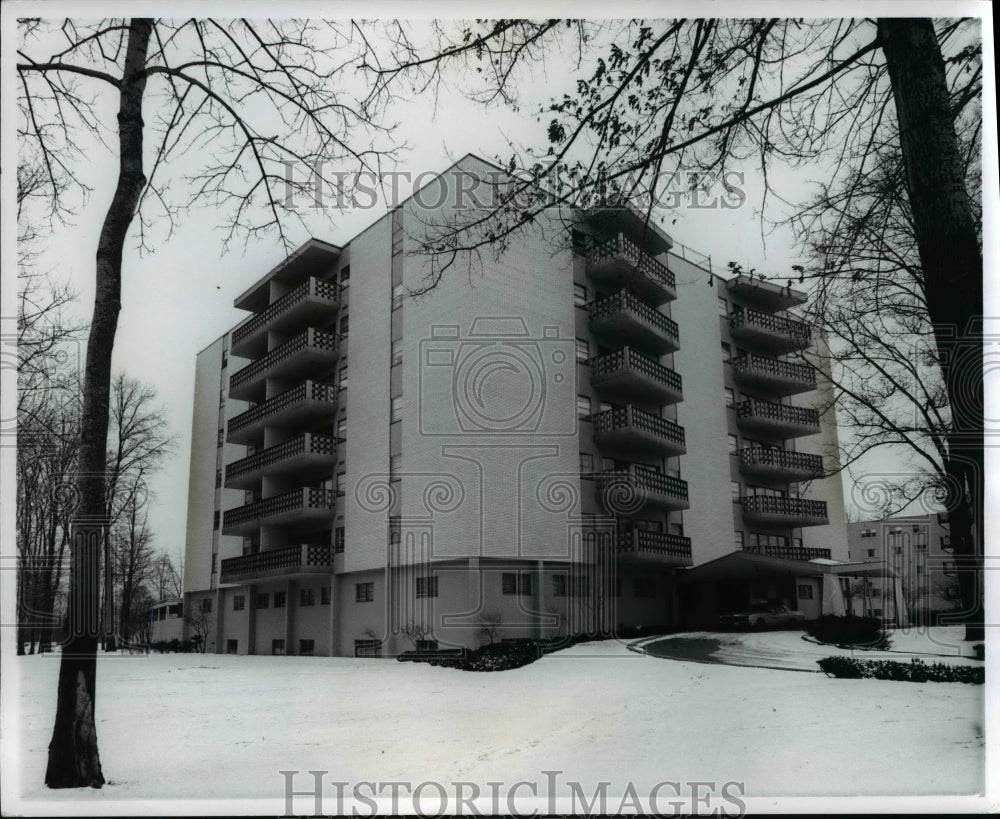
x=913 y=671
x=847 y=630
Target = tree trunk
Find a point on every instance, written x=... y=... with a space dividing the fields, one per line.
x=952 y=264
x=74 y=760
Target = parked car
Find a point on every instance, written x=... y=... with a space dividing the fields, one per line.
x=764 y=615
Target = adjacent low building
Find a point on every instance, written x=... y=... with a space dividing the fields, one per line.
x=540 y=446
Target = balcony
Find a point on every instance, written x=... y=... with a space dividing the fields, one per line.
x=789 y=552
x=773 y=375
x=311 y=352
x=303 y=505
x=627 y=373
x=633 y=544
x=772 y=463
x=775 y=511
x=629 y=321
x=312 y=303
x=306 y=405
x=763 y=295
x=287 y=561
x=630 y=428
x=776 y=420
x=630 y=491
x=619 y=262
x=307 y=456
x=766 y=331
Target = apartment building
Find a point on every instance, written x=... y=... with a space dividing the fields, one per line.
x=549 y=442
x=916 y=551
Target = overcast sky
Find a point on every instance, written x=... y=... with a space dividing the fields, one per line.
x=180 y=298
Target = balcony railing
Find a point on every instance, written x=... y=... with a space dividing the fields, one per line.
x=628 y=491
x=310 y=349
x=627 y=319
x=289 y=507
x=306 y=558
x=629 y=373
x=778 y=420
x=631 y=427
x=772 y=374
x=787 y=511
x=774 y=333
x=633 y=543
x=780 y=463
x=303 y=454
x=304 y=404
x=312 y=299
x=619 y=261
x=789 y=552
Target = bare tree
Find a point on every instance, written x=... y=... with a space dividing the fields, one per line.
x=655 y=100
x=254 y=100
x=489 y=625
x=200 y=621
x=165 y=578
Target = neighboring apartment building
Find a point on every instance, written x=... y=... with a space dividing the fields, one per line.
x=166 y=620
x=916 y=549
x=550 y=442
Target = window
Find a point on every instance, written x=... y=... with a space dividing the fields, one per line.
x=396 y=410
x=580 y=295
x=215 y=563
x=307 y=597
x=586 y=463
x=734 y=488
x=306 y=647
x=727 y=351
x=397 y=297
x=516 y=583
x=222 y=437
x=206 y=605
x=262 y=600
x=645 y=587
x=342 y=427
x=582 y=406
x=338 y=485
x=338 y=540
x=280 y=599
x=342 y=377
x=677 y=529
x=734 y=443
x=367 y=648
x=427 y=587
x=218 y=478
x=225 y=359
x=582 y=349
x=277 y=647
x=871 y=553
x=768 y=541
x=897 y=550
x=395 y=529
x=345 y=275
x=324 y=596
x=215 y=519
x=797 y=542
x=395 y=461
x=232 y=646
x=558 y=585
x=239 y=602
x=868 y=533
x=805 y=591
x=723 y=307
x=730 y=395
x=345 y=325
x=738 y=540
x=397 y=352
x=364 y=592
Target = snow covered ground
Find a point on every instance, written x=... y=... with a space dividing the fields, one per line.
x=222 y=727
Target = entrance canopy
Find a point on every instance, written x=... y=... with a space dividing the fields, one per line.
x=746 y=565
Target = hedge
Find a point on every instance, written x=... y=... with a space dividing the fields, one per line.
x=847 y=630
x=913 y=671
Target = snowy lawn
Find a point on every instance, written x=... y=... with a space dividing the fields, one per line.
x=790 y=650
x=217 y=726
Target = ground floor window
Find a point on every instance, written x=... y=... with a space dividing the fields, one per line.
x=232 y=646
x=277 y=647
x=324 y=596
x=367 y=648
x=427 y=587
x=805 y=591
x=516 y=583
x=364 y=592
x=306 y=647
